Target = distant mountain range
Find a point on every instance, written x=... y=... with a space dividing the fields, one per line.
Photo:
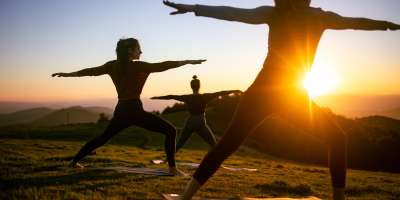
x=7 y=107
x=393 y=113
x=24 y=116
x=353 y=106
x=49 y=117
x=356 y=106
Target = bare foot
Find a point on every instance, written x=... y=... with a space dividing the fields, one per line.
x=76 y=165
x=176 y=172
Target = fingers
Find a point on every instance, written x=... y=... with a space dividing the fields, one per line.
x=168 y=3
x=195 y=62
x=392 y=26
x=57 y=75
x=176 y=12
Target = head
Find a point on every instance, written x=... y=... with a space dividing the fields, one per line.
x=128 y=49
x=290 y=4
x=195 y=84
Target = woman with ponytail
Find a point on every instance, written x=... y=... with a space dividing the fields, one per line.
x=129 y=76
x=196 y=104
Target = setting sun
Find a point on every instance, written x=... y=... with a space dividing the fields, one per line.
x=320 y=80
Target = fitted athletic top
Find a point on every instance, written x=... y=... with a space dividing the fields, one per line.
x=128 y=79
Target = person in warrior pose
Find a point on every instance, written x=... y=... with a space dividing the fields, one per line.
x=196 y=104
x=129 y=76
x=295 y=29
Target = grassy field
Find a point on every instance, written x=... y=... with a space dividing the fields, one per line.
x=33 y=165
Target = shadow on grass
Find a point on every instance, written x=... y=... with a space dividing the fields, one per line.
x=279 y=188
x=369 y=189
x=96 y=160
x=69 y=179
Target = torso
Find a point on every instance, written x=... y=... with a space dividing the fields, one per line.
x=293 y=41
x=128 y=81
x=196 y=104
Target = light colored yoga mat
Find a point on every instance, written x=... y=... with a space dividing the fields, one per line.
x=147 y=171
x=195 y=165
x=308 y=198
x=176 y=197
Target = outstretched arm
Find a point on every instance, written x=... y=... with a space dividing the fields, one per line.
x=227 y=92
x=335 y=21
x=259 y=15
x=167 y=97
x=94 y=71
x=222 y=93
x=163 y=66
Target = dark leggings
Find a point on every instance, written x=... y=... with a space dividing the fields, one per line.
x=128 y=113
x=198 y=124
x=293 y=105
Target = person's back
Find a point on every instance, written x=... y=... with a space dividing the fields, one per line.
x=197 y=103
x=128 y=78
x=293 y=40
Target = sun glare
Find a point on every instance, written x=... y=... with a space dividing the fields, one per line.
x=320 y=80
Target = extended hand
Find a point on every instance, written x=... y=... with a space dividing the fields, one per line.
x=393 y=26
x=59 y=74
x=195 y=62
x=180 y=8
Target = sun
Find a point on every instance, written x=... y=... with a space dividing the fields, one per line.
x=320 y=80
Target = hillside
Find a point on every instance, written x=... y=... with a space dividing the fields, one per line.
x=24 y=116
x=373 y=142
x=393 y=113
x=70 y=115
x=36 y=168
x=99 y=109
x=7 y=107
x=44 y=116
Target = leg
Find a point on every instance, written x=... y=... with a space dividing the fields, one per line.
x=244 y=121
x=206 y=133
x=115 y=126
x=185 y=135
x=154 y=123
x=321 y=124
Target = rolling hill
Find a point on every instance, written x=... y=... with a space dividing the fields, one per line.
x=43 y=116
x=72 y=115
x=24 y=116
x=393 y=113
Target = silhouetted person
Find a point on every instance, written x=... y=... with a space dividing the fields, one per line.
x=196 y=104
x=102 y=119
x=129 y=76
x=295 y=29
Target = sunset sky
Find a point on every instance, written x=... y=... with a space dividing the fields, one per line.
x=42 y=37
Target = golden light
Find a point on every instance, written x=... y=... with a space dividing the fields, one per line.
x=320 y=80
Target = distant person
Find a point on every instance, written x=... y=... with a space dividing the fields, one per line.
x=129 y=76
x=103 y=119
x=295 y=29
x=196 y=104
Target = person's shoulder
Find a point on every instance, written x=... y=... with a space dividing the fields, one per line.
x=266 y=10
x=110 y=63
x=320 y=11
x=139 y=62
x=139 y=66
